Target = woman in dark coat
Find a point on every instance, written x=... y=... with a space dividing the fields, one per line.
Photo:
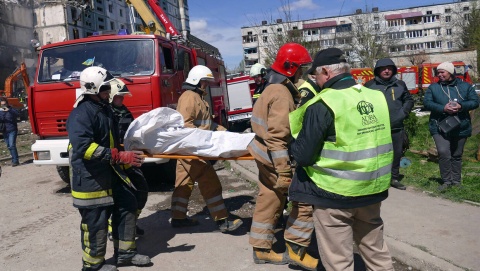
x=450 y=96
x=8 y=116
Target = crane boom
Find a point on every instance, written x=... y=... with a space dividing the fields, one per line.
x=163 y=17
x=148 y=17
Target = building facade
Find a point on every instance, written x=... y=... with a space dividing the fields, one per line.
x=404 y=34
x=26 y=22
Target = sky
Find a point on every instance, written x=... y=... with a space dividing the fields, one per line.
x=219 y=22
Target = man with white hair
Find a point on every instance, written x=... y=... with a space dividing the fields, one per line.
x=344 y=153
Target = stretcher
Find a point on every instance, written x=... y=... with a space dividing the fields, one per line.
x=194 y=157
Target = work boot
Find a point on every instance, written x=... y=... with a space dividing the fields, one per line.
x=186 y=222
x=263 y=255
x=137 y=260
x=298 y=256
x=396 y=184
x=139 y=231
x=226 y=225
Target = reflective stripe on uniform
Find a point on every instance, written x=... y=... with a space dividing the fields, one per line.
x=92 y=195
x=259 y=121
x=217 y=208
x=90 y=151
x=355 y=175
x=124 y=245
x=279 y=154
x=357 y=155
x=93 y=260
x=86 y=238
x=214 y=199
x=300 y=224
x=260 y=152
x=91 y=202
x=256 y=96
x=301 y=234
x=181 y=200
x=261 y=236
x=265 y=226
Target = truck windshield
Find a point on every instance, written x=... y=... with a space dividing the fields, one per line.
x=119 y=57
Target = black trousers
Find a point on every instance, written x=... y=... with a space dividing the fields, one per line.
x=450 y=151
x=397 y=142
x=139 y=181
x=124 y=220
x=93 y=230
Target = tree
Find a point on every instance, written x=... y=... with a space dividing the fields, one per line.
x=275 y=33
x=370 y=41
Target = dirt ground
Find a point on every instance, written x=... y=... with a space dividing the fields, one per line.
x=25 y=139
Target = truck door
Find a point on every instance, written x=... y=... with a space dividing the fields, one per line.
x=410 y=80
x=169 y=83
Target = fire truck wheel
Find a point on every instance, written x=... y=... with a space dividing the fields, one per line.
x=63 y=172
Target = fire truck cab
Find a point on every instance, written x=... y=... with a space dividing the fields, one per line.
x=153 y=68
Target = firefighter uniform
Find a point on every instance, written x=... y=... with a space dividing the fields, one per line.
x=124 y=117
x=299 y=227
x=269 y=148
x=95 y=183
x=196 y=114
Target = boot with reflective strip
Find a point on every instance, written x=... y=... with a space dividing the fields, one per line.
x=297 y=255
x=262 y=255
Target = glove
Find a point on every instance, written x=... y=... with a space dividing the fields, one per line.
x=283 y=181
x=127 y=157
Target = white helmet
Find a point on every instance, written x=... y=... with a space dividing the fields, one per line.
x=258 y=69
x=91 y=79
x=118 y=88
x=198 y=73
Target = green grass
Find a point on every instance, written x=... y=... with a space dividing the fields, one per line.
x=425 y=174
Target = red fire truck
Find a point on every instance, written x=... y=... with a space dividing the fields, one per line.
x=240 y=90
x=153 y=68
x=362 y=75
x=428 y=73
x=417 y=78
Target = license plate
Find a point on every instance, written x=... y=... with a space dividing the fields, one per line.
x=239 y=116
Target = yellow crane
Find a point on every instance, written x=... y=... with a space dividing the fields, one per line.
x=153 y=25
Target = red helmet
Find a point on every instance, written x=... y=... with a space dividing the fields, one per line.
x=289 y=58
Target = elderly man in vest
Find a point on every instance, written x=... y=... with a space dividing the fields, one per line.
x=344 y=153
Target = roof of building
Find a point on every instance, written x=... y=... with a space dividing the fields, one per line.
x=404 y=15
x=319 y=24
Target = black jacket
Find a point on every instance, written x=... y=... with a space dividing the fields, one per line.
x=10 y=119
x=318 y=127
x=123 y=117
x=91 y=128
x=398 y=97
x=306 y=94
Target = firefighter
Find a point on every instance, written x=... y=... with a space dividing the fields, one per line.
x=343 y=149
x=299 y=226
x=258 y=72
x=99 y=186
x=308 y=90
x=195 y=111
x=270 y=150
x=124 y=117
